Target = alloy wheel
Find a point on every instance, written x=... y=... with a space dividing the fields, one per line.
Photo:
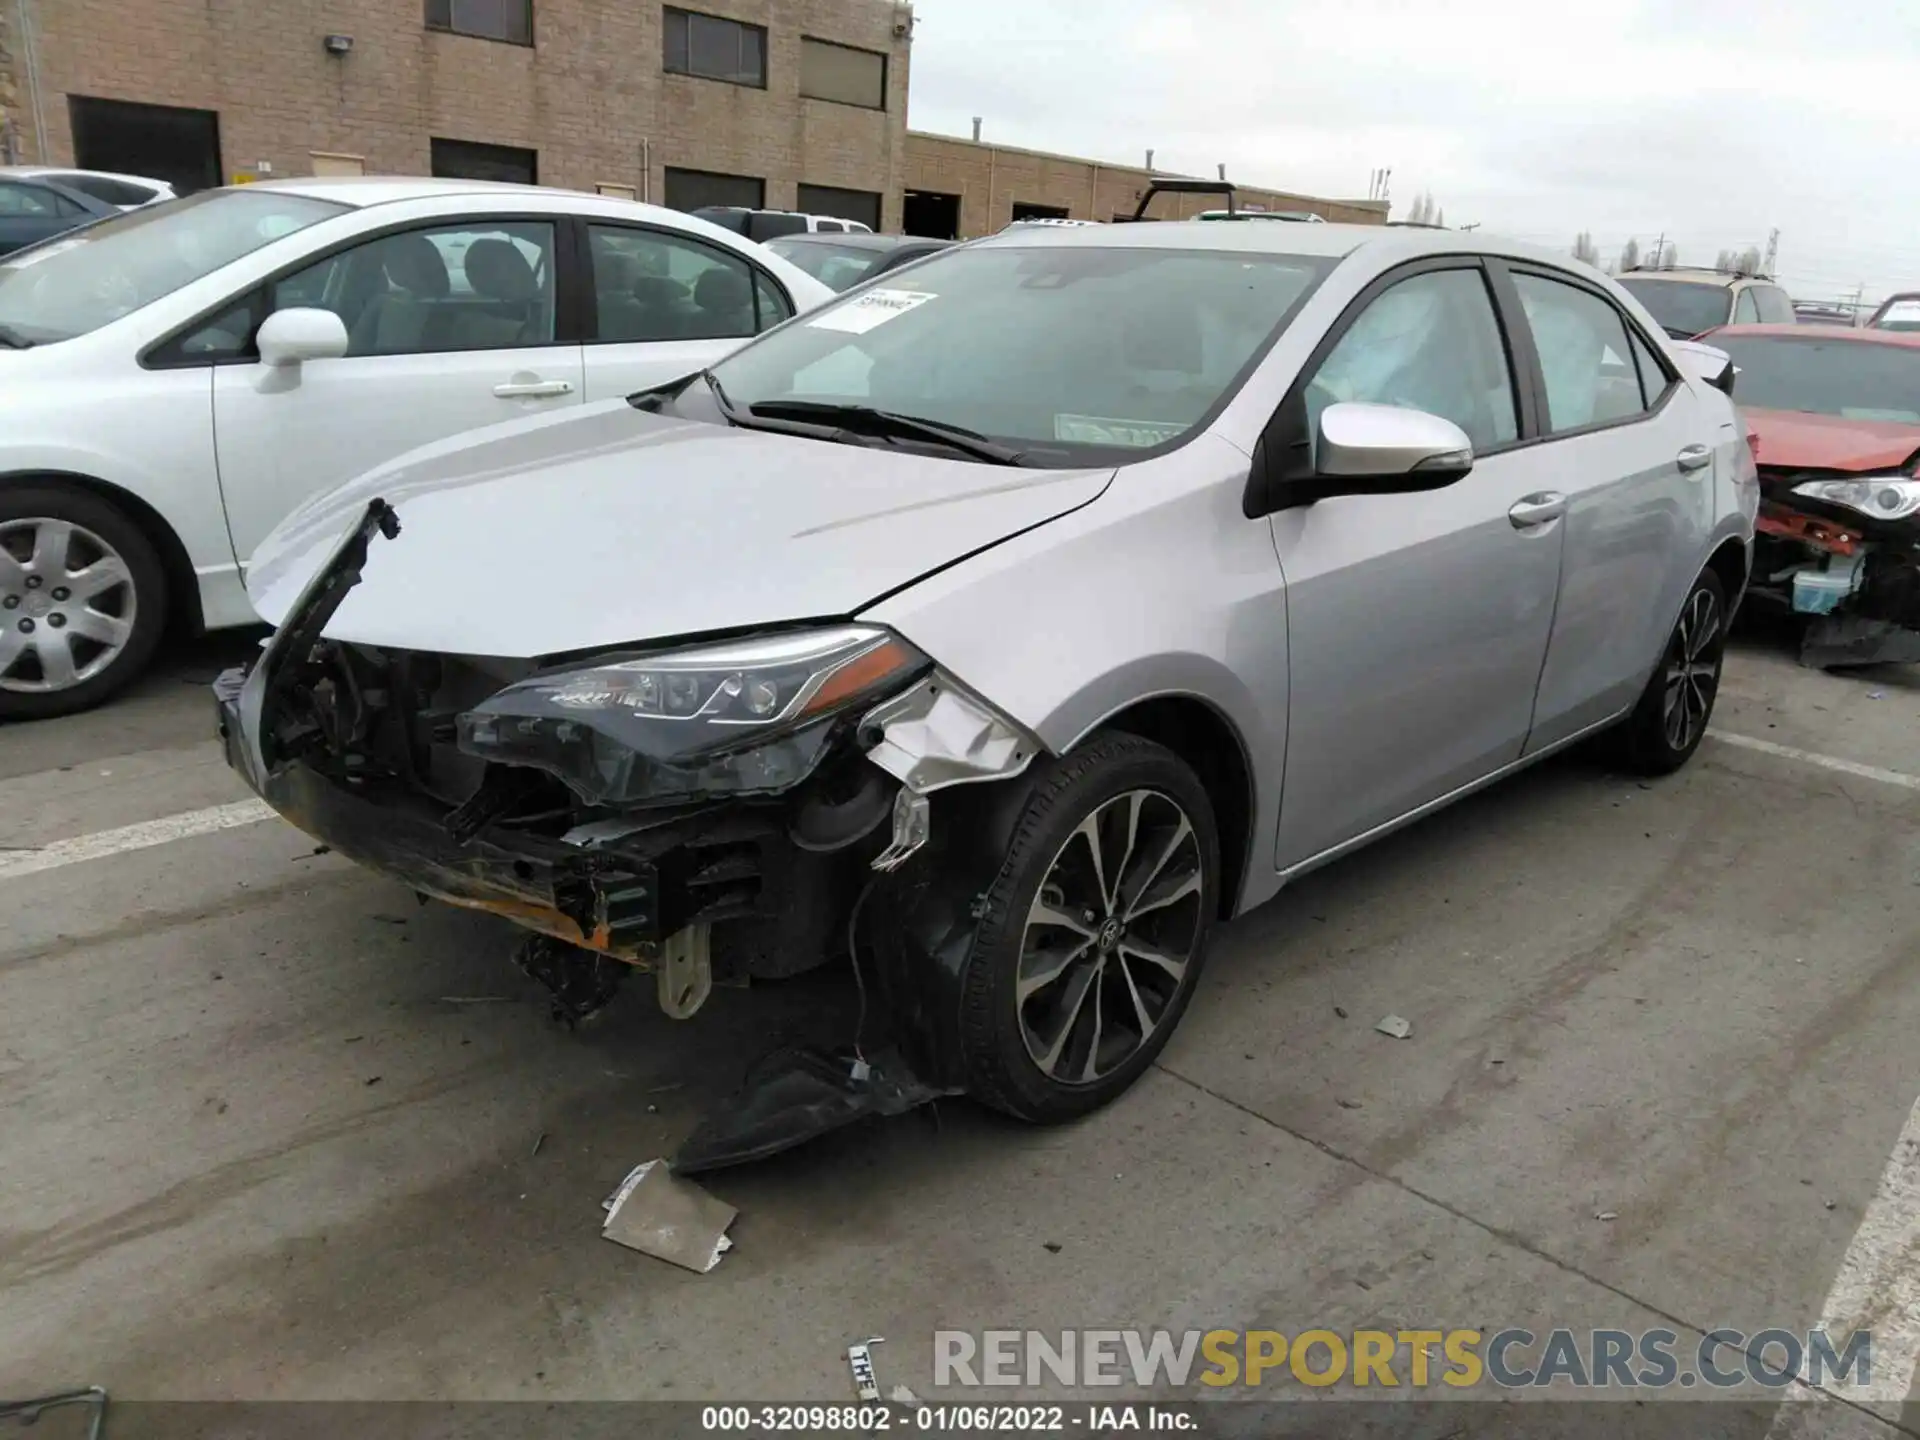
x=67 y=605
x=1692 y=670
x=1110 y=936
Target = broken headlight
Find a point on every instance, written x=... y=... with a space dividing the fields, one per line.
x=739 y=717
x=1884 y=497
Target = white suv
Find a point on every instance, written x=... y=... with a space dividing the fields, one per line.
x=175 y=379
x=1691 y=302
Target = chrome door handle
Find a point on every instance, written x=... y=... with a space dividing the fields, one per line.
x=1537 y=509
x=1694 y=457
x=533 y=389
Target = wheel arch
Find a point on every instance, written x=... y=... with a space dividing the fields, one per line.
x=183 y=585
x=1729 y=562
x=1202 y=736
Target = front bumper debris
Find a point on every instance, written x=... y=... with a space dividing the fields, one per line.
x=1855 y=579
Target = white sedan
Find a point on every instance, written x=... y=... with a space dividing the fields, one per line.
x=176 y=379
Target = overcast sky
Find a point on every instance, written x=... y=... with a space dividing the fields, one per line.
x=1710 y=120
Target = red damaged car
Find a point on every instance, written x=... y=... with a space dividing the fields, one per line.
x=1834 y=416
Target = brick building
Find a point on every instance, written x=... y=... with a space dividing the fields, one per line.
x=792 y=104
x=788 y=103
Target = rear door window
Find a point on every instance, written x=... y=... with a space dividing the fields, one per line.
x=1585 y=355
x=1745 y=311
x=1774 y=306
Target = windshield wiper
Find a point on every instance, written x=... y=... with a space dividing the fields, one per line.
x=13 y=339
x=889 y=424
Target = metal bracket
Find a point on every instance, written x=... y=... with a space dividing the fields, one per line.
x=938 y=734
x=912 y=823
x=685 y=970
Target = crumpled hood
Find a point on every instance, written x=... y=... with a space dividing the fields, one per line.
x=1794 y=440
x=608 y=526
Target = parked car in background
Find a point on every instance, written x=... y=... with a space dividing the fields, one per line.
x=32 y=210
x=1897 y=312
x=766 y=224
x=175 y=379
x=1303 y=217
x=781 y=659
x=1814 y=314
x=124 y=192
x=1687 y=301
x=1836 y=420
x=842 y=261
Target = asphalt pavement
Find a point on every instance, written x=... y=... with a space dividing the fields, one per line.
x=271 y=1130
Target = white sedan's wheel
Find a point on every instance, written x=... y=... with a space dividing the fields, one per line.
x=82 y=602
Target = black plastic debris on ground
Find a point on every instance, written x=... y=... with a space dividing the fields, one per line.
x=792 y=1096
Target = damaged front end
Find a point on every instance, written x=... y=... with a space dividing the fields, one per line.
x=712 y=813
x=1844 y=551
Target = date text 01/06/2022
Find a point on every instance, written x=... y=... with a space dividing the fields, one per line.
x=959 y=1419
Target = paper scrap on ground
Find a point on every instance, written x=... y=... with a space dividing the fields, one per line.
x=871 y=309
x=860 y=1360
x=657 y=1213
x=1395 y=1026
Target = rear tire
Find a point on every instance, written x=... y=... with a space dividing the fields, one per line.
x=83 y=600
x=1671 y=718
x=1081 y=967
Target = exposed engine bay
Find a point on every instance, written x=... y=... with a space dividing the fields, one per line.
x=1844 y=551
x=712 y=814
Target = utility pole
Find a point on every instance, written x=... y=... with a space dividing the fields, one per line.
x=1773 y=252
x=1658 y=246
x=1474 y=226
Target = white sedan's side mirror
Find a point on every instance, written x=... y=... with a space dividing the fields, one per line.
x=292 y=337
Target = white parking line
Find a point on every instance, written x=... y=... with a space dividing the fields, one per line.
x=1825 y=762
x=1878 y=1288
x=145 y=835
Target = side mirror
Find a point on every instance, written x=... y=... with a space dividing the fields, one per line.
x=1709 y=363
x=292 y=337
x=1398 y=449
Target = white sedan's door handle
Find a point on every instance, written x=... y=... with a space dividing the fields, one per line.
x=1537 y=509
x=532 y=389
x=1694 y=457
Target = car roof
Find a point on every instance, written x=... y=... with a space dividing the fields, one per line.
x=1908 y=338
x=1392 y=244
x=359 y=190
x=854 y=239
x=43 y=172
x=1700 y=276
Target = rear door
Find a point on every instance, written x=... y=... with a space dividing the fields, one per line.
x=1628 y=445
x=664 y=304
x=1416 y=624
x=451 y=326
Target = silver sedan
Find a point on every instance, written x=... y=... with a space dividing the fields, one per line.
x=1009 y=622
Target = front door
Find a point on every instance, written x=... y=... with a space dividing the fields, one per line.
x=1416 y=624
x=450 y=328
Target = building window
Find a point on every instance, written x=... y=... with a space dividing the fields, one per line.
x=716 y=49
x=861 y=205
x=468 y=160
x=697 y=189
x=843 y=74
x=1027 y=210
x=508 y=20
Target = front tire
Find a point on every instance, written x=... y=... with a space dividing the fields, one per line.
x=83 y=601
x=1671 y=718
x=1093 y=935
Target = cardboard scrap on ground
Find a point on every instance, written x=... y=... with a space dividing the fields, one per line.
x=657 y=1213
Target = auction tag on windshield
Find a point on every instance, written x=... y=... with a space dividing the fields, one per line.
x=1092 y=430
x=875 y=307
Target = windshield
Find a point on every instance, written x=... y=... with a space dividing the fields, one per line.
x=82 y=281
x=839 y=267
x=1854 y=379
x=1071 y=353
x=1682 y=308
